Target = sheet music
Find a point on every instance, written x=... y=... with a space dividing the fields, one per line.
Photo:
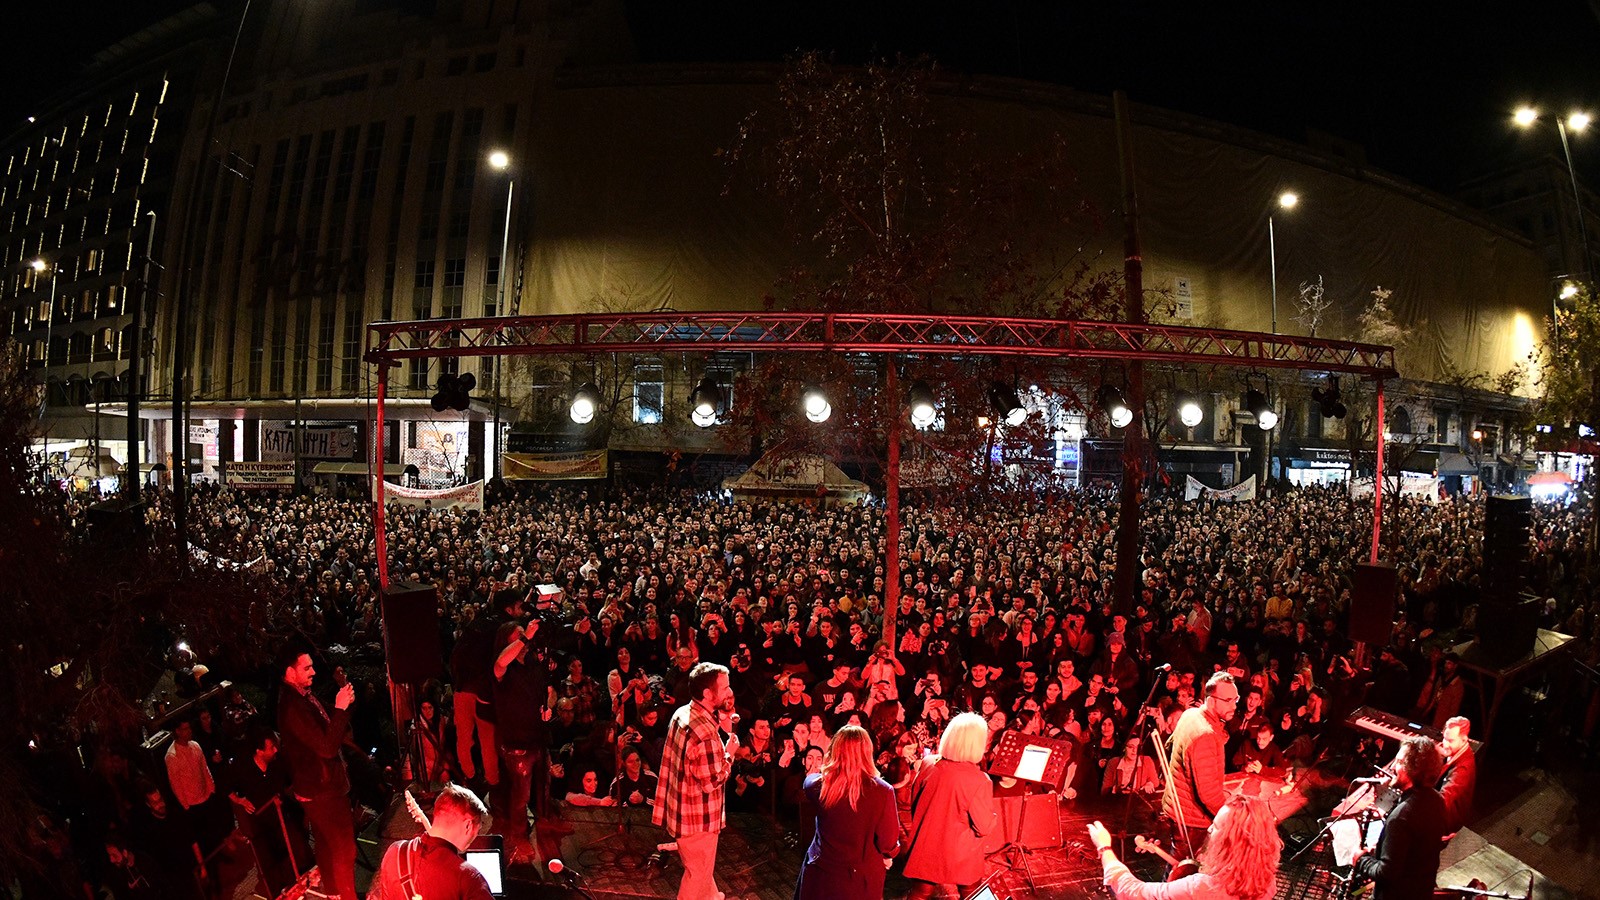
x=1034 y=761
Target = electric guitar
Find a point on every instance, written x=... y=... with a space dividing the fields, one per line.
x=416 y=812
x=1179 y=868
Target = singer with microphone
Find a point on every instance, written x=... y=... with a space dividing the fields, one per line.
x=695 y=764
x=312 y=739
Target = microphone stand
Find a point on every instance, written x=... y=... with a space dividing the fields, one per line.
x=1138 y=732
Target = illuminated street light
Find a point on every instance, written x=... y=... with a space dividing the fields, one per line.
x=1286 y=200
x=1578 y=121
x=1525 y=116
x=500 y=160
x=1568 y=291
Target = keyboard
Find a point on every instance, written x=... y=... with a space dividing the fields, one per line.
x=1389 y=725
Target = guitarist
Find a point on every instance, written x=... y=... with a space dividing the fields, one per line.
x=431 y=865
x=1239 y=861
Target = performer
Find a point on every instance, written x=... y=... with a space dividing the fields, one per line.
x=1406 y=862
x=1238 y=862
x=1460 y=777
x=857 y=828
x=694 y=767
x=311 y=742
x=952 y=808
x=431 y=865
x=1195 y=791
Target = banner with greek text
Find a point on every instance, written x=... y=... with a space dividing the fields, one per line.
x=1244 y=490
x=261 y=475
x=585 y=464
x=1420 y=487
x=277 y=442
x=466 y=496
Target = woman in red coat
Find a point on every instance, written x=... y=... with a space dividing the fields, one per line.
x=952 y=808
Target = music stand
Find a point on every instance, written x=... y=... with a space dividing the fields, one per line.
x=1034 y=759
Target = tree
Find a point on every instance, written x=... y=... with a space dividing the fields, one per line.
x=88 y=627
x=1569 y=386
x=1313 y=304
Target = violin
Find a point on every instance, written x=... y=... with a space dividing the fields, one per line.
x=1178 y=868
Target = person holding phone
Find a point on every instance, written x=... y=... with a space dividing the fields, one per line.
x=312 y=738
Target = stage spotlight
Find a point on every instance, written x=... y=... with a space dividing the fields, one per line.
x=1328 y=401
x=1007 y=404
x=704 y=402
x=1116 y=408
x=816 y=405
x=585 y=400
x=1256 y=402
x=454 y=392
x=1189 y=411
x=920 y=400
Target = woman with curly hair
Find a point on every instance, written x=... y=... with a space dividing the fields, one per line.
x=1238 y=862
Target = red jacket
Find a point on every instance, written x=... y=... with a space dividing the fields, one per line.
x=952 y=808
x=1199 y=749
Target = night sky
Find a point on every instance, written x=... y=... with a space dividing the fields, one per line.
x=1426 y=87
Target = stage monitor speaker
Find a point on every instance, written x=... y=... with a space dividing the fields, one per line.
x=1372 y=600
x=1507 y=631
x=411 y=632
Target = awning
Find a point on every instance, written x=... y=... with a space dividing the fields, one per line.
x=340 y=468
x=1452 y=463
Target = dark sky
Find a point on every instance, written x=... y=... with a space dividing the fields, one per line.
x=1425 y=86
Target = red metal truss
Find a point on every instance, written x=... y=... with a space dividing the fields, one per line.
x=868 y=333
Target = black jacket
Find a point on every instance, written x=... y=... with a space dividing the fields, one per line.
x=311 y=737
x=1405 y=866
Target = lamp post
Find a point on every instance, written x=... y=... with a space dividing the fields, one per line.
x=501 y=162
x=1525 y=117
x=1286 y=200
x=41 y=267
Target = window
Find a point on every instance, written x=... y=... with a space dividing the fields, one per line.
x=491 y=285
x=456 y=66
x=351 y=357
x=455 y=279
x=649 y=392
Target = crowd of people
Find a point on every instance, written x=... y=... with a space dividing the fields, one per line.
x=573 y=621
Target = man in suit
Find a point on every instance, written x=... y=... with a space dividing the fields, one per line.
x=1405 y=864
x=312 y=738
x=1460 y=776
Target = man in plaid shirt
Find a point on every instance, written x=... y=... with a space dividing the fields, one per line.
x=694 y=767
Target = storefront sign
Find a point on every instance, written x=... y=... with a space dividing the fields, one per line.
x=277 y=442
x=260 y=475
x=555 y=466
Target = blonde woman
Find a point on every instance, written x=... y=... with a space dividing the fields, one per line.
x=1238 y=862
x=952 y=808
x=858 y=831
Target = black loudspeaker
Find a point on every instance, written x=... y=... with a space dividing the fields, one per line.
x=1506 y=631
x=1372 y=597
x=411 y=632
x=1506 y=524
x=115 y=525
x=1040 y=822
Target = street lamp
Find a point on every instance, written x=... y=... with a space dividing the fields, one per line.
x=1286 y=200
x=1576 y=121
x=500 y=161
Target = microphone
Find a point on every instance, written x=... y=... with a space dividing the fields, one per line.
x=1164 y=667
x=560 y=870
x=1375 y=780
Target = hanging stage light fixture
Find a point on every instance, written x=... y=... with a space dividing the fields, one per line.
x=1256 y=402
x=705 y=402
x=454 y=392
x=923 y=410
x=815 y=404
x=1328 y=401
x=585 y=401
x=1115 y=407
x=1007 y=404
x=1190 y=413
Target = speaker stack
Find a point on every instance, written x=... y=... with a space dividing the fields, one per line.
x=411 y=632
x=1508 y=619
x=1373 y=590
